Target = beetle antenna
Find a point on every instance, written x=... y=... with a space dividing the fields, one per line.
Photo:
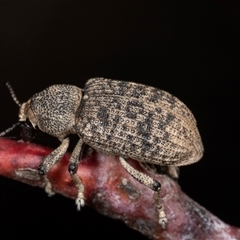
x=9 y=129
x=12 y=93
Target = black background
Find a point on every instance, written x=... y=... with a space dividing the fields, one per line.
x=188 y=49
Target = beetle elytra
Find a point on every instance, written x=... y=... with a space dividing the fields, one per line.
x=124 y=119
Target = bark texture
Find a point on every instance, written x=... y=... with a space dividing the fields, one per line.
x=116 y=194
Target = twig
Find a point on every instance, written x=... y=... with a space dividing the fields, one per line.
x=110 y=190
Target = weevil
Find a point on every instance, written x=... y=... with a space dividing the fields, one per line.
x=119 y=118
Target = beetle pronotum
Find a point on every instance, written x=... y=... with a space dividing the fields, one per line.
x=124 y=119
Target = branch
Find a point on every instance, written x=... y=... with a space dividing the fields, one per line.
x=113 y=192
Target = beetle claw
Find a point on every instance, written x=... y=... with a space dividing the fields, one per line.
x=80 y=202
x=162 y=219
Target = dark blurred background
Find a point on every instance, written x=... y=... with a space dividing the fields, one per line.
x=188 y=49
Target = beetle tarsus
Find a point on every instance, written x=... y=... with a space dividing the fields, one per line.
x=80 y=202
x=163 y=223
x=48 y=186
x=162 y=219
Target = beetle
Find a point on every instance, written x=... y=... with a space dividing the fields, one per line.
x=120 y=118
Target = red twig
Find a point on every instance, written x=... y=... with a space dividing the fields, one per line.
x=110 y=190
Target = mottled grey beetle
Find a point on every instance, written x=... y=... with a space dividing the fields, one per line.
x=119 y=118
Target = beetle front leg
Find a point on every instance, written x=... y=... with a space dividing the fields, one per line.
x=49 y=161
x=72 y=168
x=151 y=183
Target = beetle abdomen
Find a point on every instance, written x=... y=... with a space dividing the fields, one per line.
x=138 y=121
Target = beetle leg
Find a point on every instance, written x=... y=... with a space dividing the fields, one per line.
x=171 y=171
x=162 y=216
x=72 y=168
x=141 y=177
x=49 y=161
x=151 y=183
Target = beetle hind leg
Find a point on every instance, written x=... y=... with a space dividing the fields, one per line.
x=171 y=171
x=72 y=168
x=162 y=219
x=152 y=184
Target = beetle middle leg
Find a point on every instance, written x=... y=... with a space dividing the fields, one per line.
x=49 y=161
x=72 y=168
x=151 y=183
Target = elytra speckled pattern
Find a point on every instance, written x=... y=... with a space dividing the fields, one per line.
x=138 y=121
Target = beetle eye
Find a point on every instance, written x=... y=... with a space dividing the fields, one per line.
x=27 y=131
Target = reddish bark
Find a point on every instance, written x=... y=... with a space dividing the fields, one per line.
x=116 y=194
